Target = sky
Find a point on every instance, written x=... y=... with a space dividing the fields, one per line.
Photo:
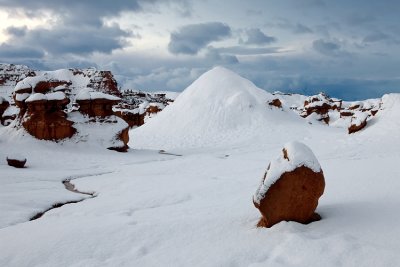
x=348 y=49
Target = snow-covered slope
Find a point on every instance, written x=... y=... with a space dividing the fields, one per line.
x=217 y=108
x=195 y=209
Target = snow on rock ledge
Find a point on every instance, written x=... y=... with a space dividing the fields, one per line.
x=291 y=187
x=89 y=94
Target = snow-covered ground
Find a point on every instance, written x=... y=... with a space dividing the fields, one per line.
x=193 y=207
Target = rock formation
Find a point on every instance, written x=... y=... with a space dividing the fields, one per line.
x=358 y=122
x=16 y=161
x=136 y=107
x=96 y=104
x=50 y=104
x=97 y=109
x=276 y=103
x=45 y=118
x=291 y=187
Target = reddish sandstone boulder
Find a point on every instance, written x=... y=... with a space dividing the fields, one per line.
x=16 y=161
x=291 y=187
x=276 y=103
x=124 y=137
x=358 y=122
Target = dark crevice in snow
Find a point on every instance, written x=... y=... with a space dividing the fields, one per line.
x=70 y=187
x=163 y=152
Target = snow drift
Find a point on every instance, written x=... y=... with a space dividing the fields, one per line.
x=219 y=107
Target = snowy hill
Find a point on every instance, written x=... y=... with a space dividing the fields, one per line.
x=218 y=107
x=148 y=208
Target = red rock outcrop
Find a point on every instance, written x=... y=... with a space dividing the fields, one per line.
x=103 y=81
x=124 y=137
x=98 y=107
x=131 y=117
x=358 y=122
x=136 y=106
x=45 y=119
x=291 y=187
x=276 y=103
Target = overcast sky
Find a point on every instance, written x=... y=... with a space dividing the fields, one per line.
x=349 y=49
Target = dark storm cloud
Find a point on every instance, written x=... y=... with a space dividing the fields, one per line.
x=78 y=28
x=328 y=47
x=190 y=39
x=16 y=31
x=11 y=52
x=79 y=11
x=297 y=28
x=300 y=28
x=380 y=37
x=71 y=40
x=224 y=59
x=256 y=37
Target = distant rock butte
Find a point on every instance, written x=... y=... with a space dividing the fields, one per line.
x=291 y=187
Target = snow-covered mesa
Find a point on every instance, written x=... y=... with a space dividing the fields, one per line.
x=192 y=205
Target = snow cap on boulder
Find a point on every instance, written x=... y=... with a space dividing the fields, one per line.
x=294 y=155
x=291 y=187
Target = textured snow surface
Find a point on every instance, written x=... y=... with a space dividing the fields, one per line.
x=298 y=154
x=196 y=209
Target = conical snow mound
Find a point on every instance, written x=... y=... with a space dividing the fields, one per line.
x=219 y=107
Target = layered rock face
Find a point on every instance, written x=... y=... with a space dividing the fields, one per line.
x=45 y=117
x=291 y=187
x=72 y=103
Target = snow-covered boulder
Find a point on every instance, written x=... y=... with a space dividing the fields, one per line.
x=358 y=122
x=275 y=102
x=291 y=187
x=16 y=160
